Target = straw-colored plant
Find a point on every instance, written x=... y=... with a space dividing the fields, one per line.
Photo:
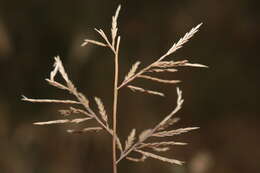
x=135 y=142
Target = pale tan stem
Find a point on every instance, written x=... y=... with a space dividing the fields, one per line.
x=115 y=108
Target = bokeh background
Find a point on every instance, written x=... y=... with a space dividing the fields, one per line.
x=222 y=100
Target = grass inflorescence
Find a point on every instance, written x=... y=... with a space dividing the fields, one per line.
x=134 y=143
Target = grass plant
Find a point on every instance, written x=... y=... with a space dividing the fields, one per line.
x=134 y=143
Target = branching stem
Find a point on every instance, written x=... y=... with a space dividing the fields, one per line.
x=133 y=147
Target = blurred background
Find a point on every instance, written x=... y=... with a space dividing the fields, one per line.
x=222 y=100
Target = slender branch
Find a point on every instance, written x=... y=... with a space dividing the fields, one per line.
x=174 y=47
x=142 y=71
x=152 y=131
x=50 y=101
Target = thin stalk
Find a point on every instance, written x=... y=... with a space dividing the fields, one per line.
x=115 y=106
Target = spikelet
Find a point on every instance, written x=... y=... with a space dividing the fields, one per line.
x=159 y=80
x=77 y=120
x=174 y=132
x=195 y=65
x=72 y=110
x=184 y=39
x=101 y=109
x=168 y=123
x=118 y=144
x=160 y=149
x=130 y=140
x=135 y=88
x=160 y=144
x=117 y=44
x=145 y=134
x=89 y=129
x=164 y=159
x=172 y=64
x=114 y=28
x=141 y=159
x=169 y=64
x=56 y=84
x=158 y=70
x=24 y=98
x=132 y=70
x=52 y=122
x=86 y=41
x=58 y=67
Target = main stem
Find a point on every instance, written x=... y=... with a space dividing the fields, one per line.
x=115 y=113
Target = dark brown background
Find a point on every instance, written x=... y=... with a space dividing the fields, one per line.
x=222 y=100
